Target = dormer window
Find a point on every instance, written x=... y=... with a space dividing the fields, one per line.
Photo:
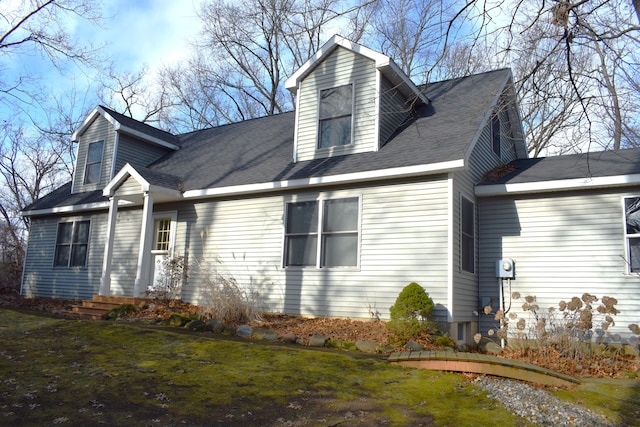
x=93 y=166
x=336 y=112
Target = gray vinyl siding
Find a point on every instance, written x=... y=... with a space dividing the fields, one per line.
x=136 y=152
x=393 y=110
x=481 y=160
x=402 y=239
x=129 y=186
x=339 y=68
x=563 y=244
x=42 y=279
x=99 y=130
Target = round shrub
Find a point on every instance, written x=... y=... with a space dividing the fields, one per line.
x=412 y=303
x=410 y=312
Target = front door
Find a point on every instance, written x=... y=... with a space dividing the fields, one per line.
x=162 y=251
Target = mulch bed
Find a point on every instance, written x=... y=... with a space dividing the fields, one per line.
x=351 y=330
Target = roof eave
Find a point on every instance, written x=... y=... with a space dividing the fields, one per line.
x=591 y=183
x=347 y=178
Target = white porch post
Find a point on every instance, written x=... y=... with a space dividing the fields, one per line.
x=144 y=252
x=105 y=279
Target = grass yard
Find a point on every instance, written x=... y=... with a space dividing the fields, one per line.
x=55 y=371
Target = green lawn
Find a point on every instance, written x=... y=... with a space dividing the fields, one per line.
x=55 y=371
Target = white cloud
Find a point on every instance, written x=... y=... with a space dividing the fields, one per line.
x=145 y=32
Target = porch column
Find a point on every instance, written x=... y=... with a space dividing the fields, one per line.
x=144 y=251
x=105 y=279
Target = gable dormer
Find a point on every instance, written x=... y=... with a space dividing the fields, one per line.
x=107 y=141
x=350 y=99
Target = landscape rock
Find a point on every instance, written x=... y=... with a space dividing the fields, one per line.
x=491 y=347
x=177 y=320
x=244 y=331
x=215 y=326
x=265 y=334
x=289 y=337
x=414 y=346
x=367 y=346
x=318 y=341
x=196 y=325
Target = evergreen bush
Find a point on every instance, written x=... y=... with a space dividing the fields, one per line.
x=411 y=313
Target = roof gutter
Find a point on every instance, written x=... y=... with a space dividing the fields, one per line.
x=557 y=185
x=348 y=178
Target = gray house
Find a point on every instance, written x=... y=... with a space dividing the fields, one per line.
x=331 y=210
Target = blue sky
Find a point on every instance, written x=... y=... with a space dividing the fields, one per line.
x=133 y=34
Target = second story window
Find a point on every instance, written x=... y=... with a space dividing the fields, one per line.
x=93 y=166
x=336 y=105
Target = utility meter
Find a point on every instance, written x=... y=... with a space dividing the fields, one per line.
x=505 y=269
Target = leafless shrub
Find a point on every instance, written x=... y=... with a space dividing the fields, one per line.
x=222 y=297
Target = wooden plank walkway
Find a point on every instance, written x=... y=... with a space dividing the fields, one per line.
x=482 y=364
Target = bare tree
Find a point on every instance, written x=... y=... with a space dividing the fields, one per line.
x=245 y=52
x=603 y=30
x=35 y=151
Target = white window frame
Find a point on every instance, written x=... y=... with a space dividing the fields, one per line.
x=320 y=233
x=71 y=244
x=319 y=121
x=87 y=164
x=630 y=236
x=464 y=234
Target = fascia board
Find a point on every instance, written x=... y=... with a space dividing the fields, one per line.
x=356 y=177
x=68 y=209
x=86 y=122
x=336 y=40
x=146 y=137
x=557 y=185
x=401 y=172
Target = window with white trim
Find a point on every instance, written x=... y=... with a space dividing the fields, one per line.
x=72 y=243
x=335 y=116
x=467 y=236
x=632 y=232
x=93 y=166
x=325 y=227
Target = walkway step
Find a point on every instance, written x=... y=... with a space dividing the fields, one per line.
x=482 y=364
x=100 y=305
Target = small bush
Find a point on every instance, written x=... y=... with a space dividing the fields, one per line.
x=123 y=310
x=412 y=303
x=410 y=314
x=174 y=272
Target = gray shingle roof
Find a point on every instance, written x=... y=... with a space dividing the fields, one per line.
x=585 y=165
x=261 y=150
x=141 y=127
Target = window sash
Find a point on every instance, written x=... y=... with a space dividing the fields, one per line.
x=72 y=243
x=632 y=232
x=162 y=234
x=467 y=236
x=335 y=116
x=93 y=165
x=335 y=220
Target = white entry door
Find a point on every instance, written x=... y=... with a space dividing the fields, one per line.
x=164 y=225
